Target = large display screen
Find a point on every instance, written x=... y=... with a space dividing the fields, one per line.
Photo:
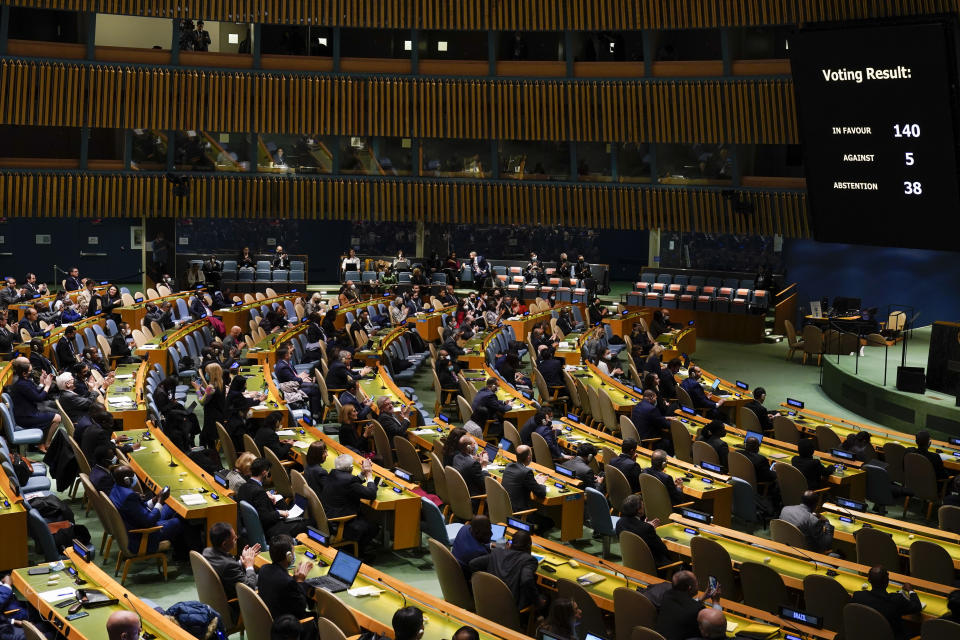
x=877 y=107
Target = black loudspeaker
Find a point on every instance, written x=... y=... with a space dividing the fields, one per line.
x=911 y=379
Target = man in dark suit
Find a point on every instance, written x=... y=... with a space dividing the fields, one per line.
x=32 y=287
x=923 y=448
x=520 y=481
x=119 y=347
x=626 y=462
x=712 y=624
x=231 y=571
x=388 y=419
x=66 y=348
x=281 y=592
x=452 y=347
x=580 y=465
x=487 y=398
x=700 y=400
x=481 y=270
x=515 y=566
x=892 y=606
x=349 y=396
x=340 y=372
x=632 y=520
x=668 y=380
x=813 y=470
x=543 y=416
x=761 y=466
x=756 y=405
x=199 y=308
x=658 y=461
x=342 y=493
x=469 y=465
x=273 y=520
x=286 y=372
x=73 y=281
x=677 y=618
x=31 y=322
x=650 y=423
x=139 y=514
x=551 y=368
x=9 y=334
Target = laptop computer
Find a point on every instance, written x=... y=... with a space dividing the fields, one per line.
x=716 y=390
x=342 y=573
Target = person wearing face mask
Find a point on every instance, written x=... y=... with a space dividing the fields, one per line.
x=348 y=293
x=534 y=269
x=470 y=463
x=543 y=416
x=699 y=397
x=547 y=432
x=119 y=348
x=140 y=513
x=280 y=259
x=608 y=365
x=582 y=272
x=446 y=370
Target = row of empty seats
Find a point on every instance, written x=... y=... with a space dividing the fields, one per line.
x=699 y=298
x=652 y=277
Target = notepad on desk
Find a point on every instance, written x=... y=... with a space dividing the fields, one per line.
x=122 y=376
x=778 y=456
x=192 y=499
x=368 y=590
x=148 y=347
x=590 y=578
x=286 y=432
x=300 y=444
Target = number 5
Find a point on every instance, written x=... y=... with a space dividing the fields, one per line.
x=909 y=158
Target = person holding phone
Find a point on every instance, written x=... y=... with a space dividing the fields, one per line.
x=677 y=618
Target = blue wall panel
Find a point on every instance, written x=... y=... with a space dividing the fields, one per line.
x=927 y=280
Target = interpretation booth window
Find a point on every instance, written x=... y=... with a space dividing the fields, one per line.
x=208 y=151
x=361 y=155
x=521 y=160
x=374 y=43
x=633 y=162
x=695 y=163
x=593 y=162
x=444 y=158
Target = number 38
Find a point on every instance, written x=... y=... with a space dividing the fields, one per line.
x=912 y=188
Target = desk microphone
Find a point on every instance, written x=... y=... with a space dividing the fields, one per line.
x=394 y=589
x=146 y=635
x=615 y=569
x=816 y=565
x=172 y=463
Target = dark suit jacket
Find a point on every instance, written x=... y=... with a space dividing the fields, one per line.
x=582 y=472
x=649 y=535
x=363 y=412
x=338 y=375
x=761 y=466
x=668 y=385
x=393 y=425
x=251 y=491
x=677 y=618
x=66 y=352
x=813 y=470
x=934 y=459
x=447 y=378
x=630 y=469
x=267 y=437
x=676 y=496
x=892 y=606
x=343 y=491
x=73 y=284
x=7 y=339
x=488 y=400
x=230 y=571
x=552 y=371
x=520 y=482
x=316 y=477
x=762 y=414
x=119 y=346
x=648 y=420
x=136 y=515
x=281 y=592
x=518 y=569
x=25 y=395
x=472 y=472
x=699 y=397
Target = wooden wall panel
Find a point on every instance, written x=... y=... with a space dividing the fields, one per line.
x=612 y=207
x=510 y=15
x=705 y=111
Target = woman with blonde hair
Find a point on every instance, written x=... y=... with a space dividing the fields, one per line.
x=238 y=476
x=214 y=400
